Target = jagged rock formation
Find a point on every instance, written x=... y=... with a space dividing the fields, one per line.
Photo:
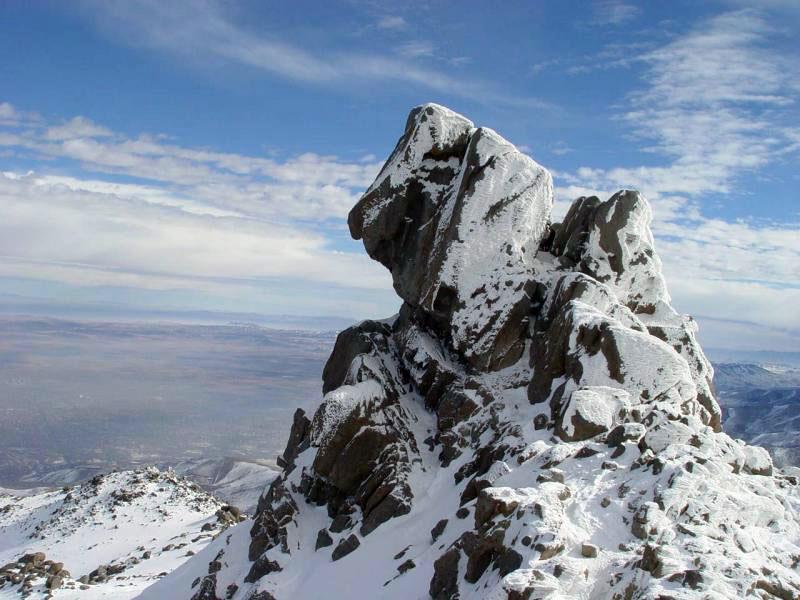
x=536 y=422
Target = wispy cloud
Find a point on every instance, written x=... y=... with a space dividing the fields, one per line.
x=205 y=32
x=13 y=117
x=305 y=187
x=393 y=22
x=416 y=49
x=76 y=128
x=716 y=103
x=614 y=12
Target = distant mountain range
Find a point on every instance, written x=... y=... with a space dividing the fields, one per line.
x=11 y=304
x=761 y=405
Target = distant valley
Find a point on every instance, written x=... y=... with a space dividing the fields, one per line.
x=84 y=397
x=761 y=405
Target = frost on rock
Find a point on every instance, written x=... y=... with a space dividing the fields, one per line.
x=536 y=422
x=591 y=411
x=457 y=214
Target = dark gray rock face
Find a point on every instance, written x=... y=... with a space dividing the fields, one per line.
x=298 y=440
x=363 y=339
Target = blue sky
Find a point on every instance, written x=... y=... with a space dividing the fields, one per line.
x=204 y=155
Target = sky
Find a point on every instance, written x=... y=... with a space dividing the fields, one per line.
x=204 y=155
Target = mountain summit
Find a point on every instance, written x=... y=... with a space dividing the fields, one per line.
x=536 y=422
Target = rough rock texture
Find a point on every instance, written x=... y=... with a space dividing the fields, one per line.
x=457 y=214
x=536 y=422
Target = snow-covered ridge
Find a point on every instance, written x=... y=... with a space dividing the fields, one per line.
x=109 y=537
x=234 y=481
x=540 y=426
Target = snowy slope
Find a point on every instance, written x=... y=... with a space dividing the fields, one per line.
x=136 y=525
x=237 y=482
x=541 y=426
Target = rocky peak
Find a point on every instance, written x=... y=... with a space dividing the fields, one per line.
x=536 y=422
x=456 y=215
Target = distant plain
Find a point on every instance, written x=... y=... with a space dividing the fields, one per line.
x=93 y=396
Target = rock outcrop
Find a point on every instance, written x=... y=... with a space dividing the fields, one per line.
x=536 y=422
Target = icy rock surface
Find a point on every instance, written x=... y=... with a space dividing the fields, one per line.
x=536 y=422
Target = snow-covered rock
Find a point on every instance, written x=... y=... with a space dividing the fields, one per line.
x=537 y=422
x=109 y=537
x=456 y=214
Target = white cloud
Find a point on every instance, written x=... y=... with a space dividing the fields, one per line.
x=141 y=237
x=77 y=127
x=184 y=219
x=416 y=49
x=561 y=148
x=392 y=22
x=716 y=104
x=12 y=117
x=308 y=186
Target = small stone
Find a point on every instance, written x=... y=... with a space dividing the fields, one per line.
x=628 y=432
x=345 y=547
x=651 y=561
x=324 y=539
x=588 y=550
x=406 y=566
x=438 y=529
x=585 y=452
x=548 y=550
x=340 y=523
x=444 y=583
